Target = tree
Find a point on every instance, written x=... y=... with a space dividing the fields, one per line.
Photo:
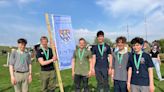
x=161 y=43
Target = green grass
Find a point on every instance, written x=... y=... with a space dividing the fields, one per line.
x=5 y=85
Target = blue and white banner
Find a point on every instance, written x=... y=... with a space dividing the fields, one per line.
x=64 y=40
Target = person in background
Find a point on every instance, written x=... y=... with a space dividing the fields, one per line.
x=156 y=60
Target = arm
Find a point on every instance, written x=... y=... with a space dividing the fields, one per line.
x=11 y=69
x=73 y=67
x=90 y=66
x=110 y=58
x=43 y=63
x=93 y=63
x=151 y=79
x=129 y=78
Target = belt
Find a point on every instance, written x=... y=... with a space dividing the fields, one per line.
x=21 y=71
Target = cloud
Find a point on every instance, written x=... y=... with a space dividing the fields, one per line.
x=130 y=10
x=129 y=7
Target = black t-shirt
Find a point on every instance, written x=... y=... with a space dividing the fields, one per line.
x=40 y=54
x=154 y=54
x=142 y=78
x=101 y=62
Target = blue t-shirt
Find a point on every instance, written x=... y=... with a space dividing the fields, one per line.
x=101 y=61
x=142 y=78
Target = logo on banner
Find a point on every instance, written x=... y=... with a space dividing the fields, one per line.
x=65 y=35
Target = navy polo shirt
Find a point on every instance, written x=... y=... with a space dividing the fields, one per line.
x=40 y=54
x=101 y=63
x=142 y=78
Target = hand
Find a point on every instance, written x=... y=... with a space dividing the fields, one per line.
x=151 y=88
x=13 y=80
x=128 y=86
x=93 y=72
x=89 y=73
x=54 y=58
x=29 y=78
x=109 y=71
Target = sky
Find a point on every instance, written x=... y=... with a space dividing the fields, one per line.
x=25 y=18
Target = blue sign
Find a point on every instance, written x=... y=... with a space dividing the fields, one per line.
x=64 y=40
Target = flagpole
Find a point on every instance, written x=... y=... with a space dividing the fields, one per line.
x=54 y=53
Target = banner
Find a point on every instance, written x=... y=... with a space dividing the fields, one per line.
x=64 y=40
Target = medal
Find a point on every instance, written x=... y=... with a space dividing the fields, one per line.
x=137 y=64
x=81 y=55
x=137 y=72
x=119 y=57
x=46 y=54
x=101 y=51
x=120 y=66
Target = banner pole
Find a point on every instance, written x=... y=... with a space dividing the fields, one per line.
x=54 y=53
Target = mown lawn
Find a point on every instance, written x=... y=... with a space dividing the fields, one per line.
x=5 y=85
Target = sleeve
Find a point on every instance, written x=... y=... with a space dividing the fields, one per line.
x=12 y=58
x=109 y=50
x=94 y=50
x=150 y=62
x=39 y=55
x=129 y=61
x=29 y=59
x=74 y=54
x=113 y=62
x=90 y=54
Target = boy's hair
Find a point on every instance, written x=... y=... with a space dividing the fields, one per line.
x=82 y=39
x=137 y=40
x=100 y=33
x=22 y=40
x=44 y=37
x=122 y=38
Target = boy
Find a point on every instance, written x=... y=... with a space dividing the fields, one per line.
x=101 y=67
x=81 y=66
x=140 y=69
x=46 y=60
x=119 y=71
x=20 y=67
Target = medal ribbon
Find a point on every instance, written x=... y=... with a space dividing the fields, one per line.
x=81 y=55
x=46 y=54
x=101 y=51
x=137 y=64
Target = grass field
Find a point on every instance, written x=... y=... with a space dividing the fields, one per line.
x=5 y=85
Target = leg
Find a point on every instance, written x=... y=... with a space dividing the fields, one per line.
x=77 y=81
x=18 y=85
x=99 y=79
x=116 y=86
x=157 y=67
x=144 y=88
x=85 y=83
x=52 y=81
x=105 y=80
x=44 y=81
x=123 y=86
x=135 y=88
x=25 y=82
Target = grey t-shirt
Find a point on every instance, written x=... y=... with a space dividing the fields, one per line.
x=120 y=73
x=15 y=60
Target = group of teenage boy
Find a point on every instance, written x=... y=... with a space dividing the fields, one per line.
x=130 y=71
